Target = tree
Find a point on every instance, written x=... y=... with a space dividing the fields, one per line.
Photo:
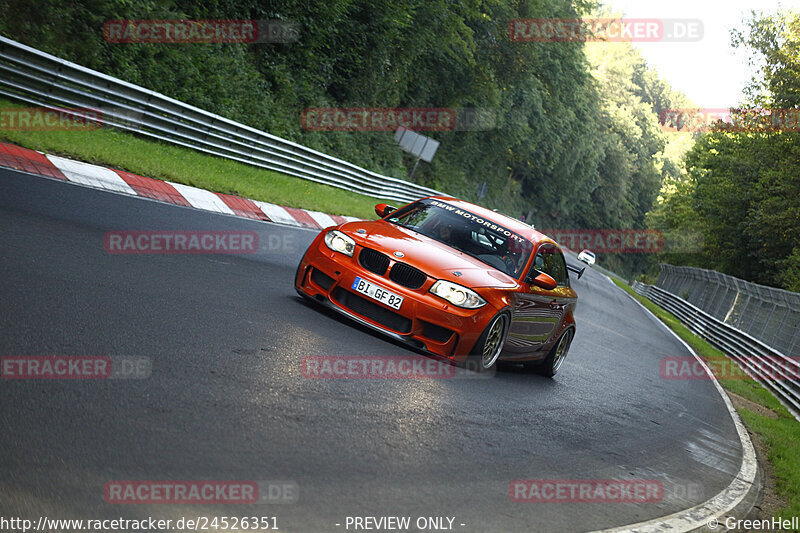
x=742 y=187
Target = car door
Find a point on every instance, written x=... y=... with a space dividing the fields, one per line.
x=538 y=311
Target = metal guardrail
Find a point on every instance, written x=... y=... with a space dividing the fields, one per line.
x=775 y=371
x=37 y=78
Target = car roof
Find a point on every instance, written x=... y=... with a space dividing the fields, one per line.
x=506 y=221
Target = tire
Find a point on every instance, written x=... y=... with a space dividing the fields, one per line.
x=486 y=351
x=552 y=363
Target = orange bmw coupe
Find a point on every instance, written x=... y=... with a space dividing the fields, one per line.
x=450 y=278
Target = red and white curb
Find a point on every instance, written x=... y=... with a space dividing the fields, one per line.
x=119 y=181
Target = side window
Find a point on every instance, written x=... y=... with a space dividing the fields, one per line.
x=551 y=261
x=538 y=262
x=559 y=268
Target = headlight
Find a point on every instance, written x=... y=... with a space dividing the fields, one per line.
x=457 y=295
x=339 y=242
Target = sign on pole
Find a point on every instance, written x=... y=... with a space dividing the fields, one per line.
x=415 y=144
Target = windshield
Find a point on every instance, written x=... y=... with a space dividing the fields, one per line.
x=491 y=243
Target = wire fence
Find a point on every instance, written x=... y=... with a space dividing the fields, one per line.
x=765 y=313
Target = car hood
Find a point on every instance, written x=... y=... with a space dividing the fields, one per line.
x=428 y=255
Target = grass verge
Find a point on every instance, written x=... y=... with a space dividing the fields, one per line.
x=125 y=151
x=774 y=425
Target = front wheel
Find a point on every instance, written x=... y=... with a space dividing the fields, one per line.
x=486 y=351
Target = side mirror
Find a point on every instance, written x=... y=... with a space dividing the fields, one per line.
x=578 y=271
x=545 y=281
x=384 y=209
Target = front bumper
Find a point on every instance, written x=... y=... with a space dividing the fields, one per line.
x=424 y=321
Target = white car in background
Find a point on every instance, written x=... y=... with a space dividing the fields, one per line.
x=587 y=257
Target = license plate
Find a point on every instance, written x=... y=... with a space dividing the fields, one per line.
x=377 y=293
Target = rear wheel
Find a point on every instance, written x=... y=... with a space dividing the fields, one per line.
x=552 y=363
x=486 y=351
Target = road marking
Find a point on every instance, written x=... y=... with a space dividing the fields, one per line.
x=277 y=213
x=153 y=188
x=91 y=175
x=322 y=219
x=202 y=199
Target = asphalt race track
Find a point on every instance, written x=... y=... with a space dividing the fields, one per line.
x=226 y=399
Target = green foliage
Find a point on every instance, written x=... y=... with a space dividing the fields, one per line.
x=636 y=156
x=789 y=269
x=775 y=41
x=742 y=187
